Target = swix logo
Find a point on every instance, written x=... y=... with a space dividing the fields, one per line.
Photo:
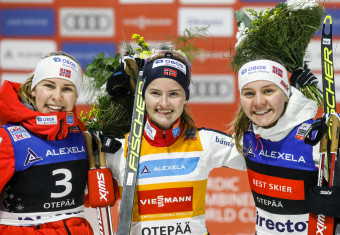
x=321 y=224
x=101 y=186
x=322 y=192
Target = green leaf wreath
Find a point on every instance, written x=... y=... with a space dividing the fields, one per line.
x=112 y=115
x=282 y=34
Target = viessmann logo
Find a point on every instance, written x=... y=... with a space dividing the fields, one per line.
x=143 y=22
x=165 y=200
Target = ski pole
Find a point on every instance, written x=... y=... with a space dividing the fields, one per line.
x=92 y=166
x=102 y=165
x=321 y=224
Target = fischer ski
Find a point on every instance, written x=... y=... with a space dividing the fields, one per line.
x=132 y=160
x=321 y=224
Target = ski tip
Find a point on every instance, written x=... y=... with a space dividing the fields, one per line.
x=326 y=18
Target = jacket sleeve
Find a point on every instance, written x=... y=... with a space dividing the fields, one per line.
x=7 y=160
x=220 y=150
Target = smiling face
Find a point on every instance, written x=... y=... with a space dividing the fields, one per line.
x=263 y=102
x=164 y=101
x=54 y=95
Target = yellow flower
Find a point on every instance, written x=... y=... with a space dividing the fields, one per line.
x=140 y=40
x=135 y=36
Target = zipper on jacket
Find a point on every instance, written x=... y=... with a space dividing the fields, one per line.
x=60 y=129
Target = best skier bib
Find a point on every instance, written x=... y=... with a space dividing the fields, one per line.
x=279 y=174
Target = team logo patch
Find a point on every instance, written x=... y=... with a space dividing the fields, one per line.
x=277 y=71
x=190 y=134
x=31 y=157
x=65 y=73
x=149 y=130
x=18 y=133
x=47 y=120
x=302 y=131
x=69 y=118
x=176 y=130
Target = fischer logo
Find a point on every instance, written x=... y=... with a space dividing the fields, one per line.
x=101 y=186
x=142 y=22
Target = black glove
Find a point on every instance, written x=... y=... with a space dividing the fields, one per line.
x=110 y=144
x=302 y=77
x=118 y=84
x=324 y=200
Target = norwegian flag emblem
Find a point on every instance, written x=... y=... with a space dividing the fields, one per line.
x=65 y=73
x=277 y=71
x=170 y=72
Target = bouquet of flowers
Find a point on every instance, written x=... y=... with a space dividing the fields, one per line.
x=282 y=33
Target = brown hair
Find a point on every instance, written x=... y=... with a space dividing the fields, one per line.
x=25 y=93
x=186 y=118
x=239 y=125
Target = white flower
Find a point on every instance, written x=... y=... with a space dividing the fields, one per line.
x=241 y=34
x=294 y=5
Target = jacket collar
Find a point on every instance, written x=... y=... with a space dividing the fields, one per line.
x=50 y=126
x=162 y=138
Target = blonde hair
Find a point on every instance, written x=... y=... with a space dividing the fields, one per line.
x=186 y=118
x=239 y=125
x=25 y=93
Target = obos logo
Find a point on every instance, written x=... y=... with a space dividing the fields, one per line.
x=47 y=120
x=170 y=62
x=56 y=59
x=244 y=71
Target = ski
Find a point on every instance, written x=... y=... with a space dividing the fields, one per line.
x=132 y=160
x=321 y=224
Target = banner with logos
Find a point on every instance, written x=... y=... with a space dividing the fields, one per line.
x=31 y=28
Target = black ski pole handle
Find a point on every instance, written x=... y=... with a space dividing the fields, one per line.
x=320 y=127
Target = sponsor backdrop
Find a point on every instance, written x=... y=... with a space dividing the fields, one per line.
x=83 y=28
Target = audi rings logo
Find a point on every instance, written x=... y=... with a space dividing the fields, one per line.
x=212 y=89
x=88 y=23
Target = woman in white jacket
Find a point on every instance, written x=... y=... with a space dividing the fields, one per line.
x=269 y=130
